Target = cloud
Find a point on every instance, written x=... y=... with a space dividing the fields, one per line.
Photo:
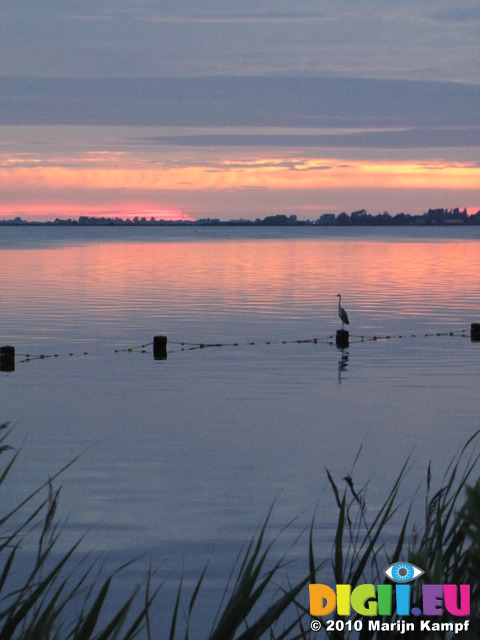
x=239 y=101
x=408 y=39
x=462 y=14
x=411 y=138
x=274 y=173
x=250 y=19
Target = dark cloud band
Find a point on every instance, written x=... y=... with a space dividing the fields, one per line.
x=306 y=102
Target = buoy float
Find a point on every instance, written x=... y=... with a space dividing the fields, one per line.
x=160 y=348
x=341 y=339
x=475 y=332
x=7 y=359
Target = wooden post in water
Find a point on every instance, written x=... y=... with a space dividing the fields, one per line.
x=160 y=347
x=475 y=332
x=7 y=358
x=342 y=339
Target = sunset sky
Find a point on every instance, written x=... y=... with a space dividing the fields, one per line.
x=238 y=109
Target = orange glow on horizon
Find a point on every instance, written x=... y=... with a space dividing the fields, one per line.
x=113 y=183
x=275 y=173
x=49 y=211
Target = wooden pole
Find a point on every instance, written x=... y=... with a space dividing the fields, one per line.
x=341 y=339
x=7 y=359
x=475 y=332
x=160 y=347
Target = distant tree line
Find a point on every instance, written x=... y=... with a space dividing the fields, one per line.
x=446 y=217
x=431 y=217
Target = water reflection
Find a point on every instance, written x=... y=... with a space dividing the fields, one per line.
x=342 y=364
x=258 y=287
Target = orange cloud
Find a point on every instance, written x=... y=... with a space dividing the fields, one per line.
x=269 y=173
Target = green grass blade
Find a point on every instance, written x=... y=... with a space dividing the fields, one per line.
x=86 y=629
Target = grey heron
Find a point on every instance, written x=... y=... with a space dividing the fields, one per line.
x=342 y=314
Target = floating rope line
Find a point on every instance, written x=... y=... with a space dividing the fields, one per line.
x=28 y=357
x=192 y=346
x=139 y=349
x=460 y=333
x=329 y=339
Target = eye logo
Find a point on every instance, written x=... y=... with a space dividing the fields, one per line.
x=403 y=572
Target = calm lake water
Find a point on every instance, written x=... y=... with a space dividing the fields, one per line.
x=181 y=459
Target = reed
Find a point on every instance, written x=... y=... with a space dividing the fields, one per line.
x=446 y=546
x=259 y=601
x=41 y=607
